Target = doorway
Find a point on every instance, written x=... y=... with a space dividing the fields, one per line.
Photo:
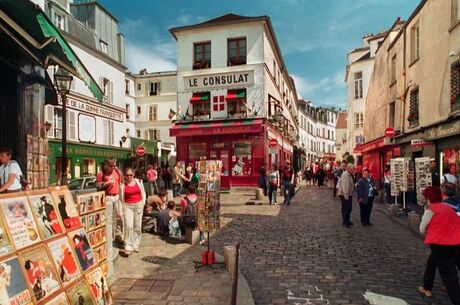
x=222 y=155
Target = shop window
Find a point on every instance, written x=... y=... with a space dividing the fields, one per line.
x=413 y=116
x=196 y=151
x=243 y=155
x=358 y=76
x=455 y=86
x=450 y=158
x=236 y=50
x=202 y=55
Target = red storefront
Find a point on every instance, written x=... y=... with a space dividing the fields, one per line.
x=376 y=155
x=241 y=145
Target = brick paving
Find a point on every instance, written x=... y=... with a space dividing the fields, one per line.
x=301 y=254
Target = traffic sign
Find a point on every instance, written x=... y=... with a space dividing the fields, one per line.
x=140 y=150
x=390 y=132
x=273 y=142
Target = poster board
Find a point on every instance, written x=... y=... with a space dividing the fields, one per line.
x=208 y=207
x=13 y=284
x=66 y=206
x=402 y=175
x=423 y=178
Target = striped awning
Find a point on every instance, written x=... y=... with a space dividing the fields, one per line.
x=216 y=128
x=236 y=94
x=200 y=97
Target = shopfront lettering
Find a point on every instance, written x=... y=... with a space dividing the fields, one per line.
x=445 y=130
x=219 y=80
x=95 y=109
x=215 y=130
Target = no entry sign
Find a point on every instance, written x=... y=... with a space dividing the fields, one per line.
x=140 y=150
x=273 y=142
x=390 y=132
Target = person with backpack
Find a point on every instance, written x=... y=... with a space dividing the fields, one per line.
x=188 y=210
x=274 y=184
x=10 y=172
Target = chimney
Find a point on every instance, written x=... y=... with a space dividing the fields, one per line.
x=143 y=71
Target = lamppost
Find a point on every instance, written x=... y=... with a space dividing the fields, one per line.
x=62 y=81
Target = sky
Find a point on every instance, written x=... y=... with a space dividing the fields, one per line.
x=314 y=35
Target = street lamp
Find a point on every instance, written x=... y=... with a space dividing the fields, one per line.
x=62 y=81
x=278 y=115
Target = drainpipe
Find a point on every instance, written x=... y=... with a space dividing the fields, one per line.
x=403 y=97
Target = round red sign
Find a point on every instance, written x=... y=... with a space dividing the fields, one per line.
x=140 y=150
x=273 y=142
x=390 y=132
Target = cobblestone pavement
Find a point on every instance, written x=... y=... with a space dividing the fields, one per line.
x=301 y=254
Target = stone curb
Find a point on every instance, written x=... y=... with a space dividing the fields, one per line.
x=402 y=222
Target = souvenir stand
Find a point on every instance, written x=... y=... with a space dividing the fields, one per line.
x=402 y=178
x=45 y=254
x=422 y=178
x=208 y=206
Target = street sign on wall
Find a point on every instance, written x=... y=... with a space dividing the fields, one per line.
x=390 y=132
x=273 y=143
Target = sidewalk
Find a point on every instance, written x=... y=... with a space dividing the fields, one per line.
x=164 y=273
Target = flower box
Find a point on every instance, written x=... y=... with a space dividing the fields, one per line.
x=201 y=117
x=237 y=115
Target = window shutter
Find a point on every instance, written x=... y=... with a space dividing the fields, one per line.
x=49 y=117
x=146 y=134
x=215 y=103
x=222 y=103
x=111 y=133
x=72 y=131
x=155 y=114
x=158 y=87
x=111 y=92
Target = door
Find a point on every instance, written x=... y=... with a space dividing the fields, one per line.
x=222 y=155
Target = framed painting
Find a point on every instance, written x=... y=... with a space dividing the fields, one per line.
x=41 y=276
x=80 y=294
x=100 y=253
x=99 y=287
x=82 y=248
x=81 y=202
x=64 y=260
x=60 y=299
x=66 y=207
x=19 y=220
x=6 y=247
x=13 y=287
x=46 y=214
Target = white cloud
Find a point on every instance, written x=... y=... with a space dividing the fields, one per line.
x=155 y=57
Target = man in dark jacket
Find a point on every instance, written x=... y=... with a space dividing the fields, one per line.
x=365 y=193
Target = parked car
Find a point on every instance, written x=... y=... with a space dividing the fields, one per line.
x=83 y=185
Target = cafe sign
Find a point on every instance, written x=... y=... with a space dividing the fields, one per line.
x=445 y=130
x=94 y=109
x=219 y=80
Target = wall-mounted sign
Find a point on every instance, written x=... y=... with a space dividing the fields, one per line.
x=419 y=142
x=219 y=80
x=86 y=128
x=94 y=109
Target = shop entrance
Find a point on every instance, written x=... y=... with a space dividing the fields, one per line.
x=222 y=155
x=9 y=108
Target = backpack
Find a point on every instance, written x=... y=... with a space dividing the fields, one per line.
x=190 y=212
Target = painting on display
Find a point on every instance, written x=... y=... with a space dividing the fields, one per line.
x=100 y=253
x=82 y=249
x=99 y=288
x=13 y=289
x=48 y=221
x=6 y=246
x=60 y=299
x=80 y=294
x=66 y=206
x=64 y=260
x=40 y=273
x=19 y=220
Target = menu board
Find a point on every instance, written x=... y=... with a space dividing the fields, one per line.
x=422 y=178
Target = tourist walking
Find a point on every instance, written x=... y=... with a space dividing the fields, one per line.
x=273 y=184
x=337 y=173
x=10 y=172
x=309 y=175
x=330 y=175
x=441 y=226
x=345 y=191
x=263 y=178
x=288 y=182
x=133 y=199
x=320 y=175
x=387 y=184
x=152 y=177
x=365 y=190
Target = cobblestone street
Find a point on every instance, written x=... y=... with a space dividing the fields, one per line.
x=301 y=254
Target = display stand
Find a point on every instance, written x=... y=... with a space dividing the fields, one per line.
x=402 y=180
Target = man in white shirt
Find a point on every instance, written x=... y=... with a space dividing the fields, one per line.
x=10 y=172
x=448 y=177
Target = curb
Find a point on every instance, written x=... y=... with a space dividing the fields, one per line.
x=382 y=209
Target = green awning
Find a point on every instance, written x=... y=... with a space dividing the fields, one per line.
x=150 y=145
x=236 y=94
x=31 y=27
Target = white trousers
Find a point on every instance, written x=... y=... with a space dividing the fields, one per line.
x=133 y=225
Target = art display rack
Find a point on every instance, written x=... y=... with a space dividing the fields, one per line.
x=423 y=178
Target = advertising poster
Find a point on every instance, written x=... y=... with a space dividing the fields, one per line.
x=80 y=294
x=66 y=207
x=20 y=221
x=13 y=289
x=98 y=286
x=100 y=253
x=64 y=260
x=41 y=276
x=61 y=299
x=5 y=242
x=46 y=215
x=82 y=249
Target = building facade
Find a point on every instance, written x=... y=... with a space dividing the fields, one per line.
x=234 y=95
x=341 y=135
x=96 y=130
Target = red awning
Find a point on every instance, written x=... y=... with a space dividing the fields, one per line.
x=216 y=128
x=200 y=97
x=369 y=146
x=235 y=94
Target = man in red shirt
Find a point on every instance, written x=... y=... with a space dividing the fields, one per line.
x=109 y=180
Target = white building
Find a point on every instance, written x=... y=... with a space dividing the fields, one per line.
x=341 y=135
x=155 y=96
x=358 y=75
x=232 y=77
x=95 y=129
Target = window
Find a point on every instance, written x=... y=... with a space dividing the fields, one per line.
x=58 y=123
x=455 y=86
x=236 y=51
x=415 y=42
x=324 y=147
x=202 y=55
x=359 y=139
x=413 y=107
x=138 y=133
x=359 y=119
x=127 y=86
x=153 y=88
x=196 y=151
x=393 y=69
x=328 y=134
x=358 y=84
x=153 y=134
x=274 y=70
x=202 y=107
x=104 y=48
x=128 y=111
x=218 y=103
x=59 y=21
x=153 y=113
x=128 y=132
x=138 y=110
x=107 y=87
x=139 y=87
x=236 y=105
x=108 y=132
x=391 y=115
x=243 y=153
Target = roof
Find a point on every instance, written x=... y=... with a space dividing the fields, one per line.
x=93 y=3
x=364 y=57
x=377 y=36
x=342 y=121
x=359 y=50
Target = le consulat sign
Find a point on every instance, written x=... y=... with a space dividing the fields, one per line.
x=219 y=80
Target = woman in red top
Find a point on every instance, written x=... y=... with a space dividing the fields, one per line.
x=133 y=199
x=441 y=226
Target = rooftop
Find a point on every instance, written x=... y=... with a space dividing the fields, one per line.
x=341 y=121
